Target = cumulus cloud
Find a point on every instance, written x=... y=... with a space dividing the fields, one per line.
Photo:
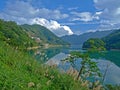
x=24 y=13
x=98 y=13
x=54 y=26
x=51 y=14
x=84 y=16
x=110 y=13
x=110 y=10
x=107 y=15
x=19 y=8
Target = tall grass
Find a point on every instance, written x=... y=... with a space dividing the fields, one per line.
x=19 y=71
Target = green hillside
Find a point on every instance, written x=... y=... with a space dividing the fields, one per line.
x=44 y=35
x=94 y=43
x=20 y=71
x=14 y=35
x=112 y=40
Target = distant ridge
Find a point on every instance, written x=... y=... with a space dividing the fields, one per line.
x=80 y=39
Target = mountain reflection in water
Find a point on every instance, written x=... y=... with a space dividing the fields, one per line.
x=113 y=72
x=55 y=55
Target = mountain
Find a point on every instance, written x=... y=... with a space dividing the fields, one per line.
x=94 y=44
x=14 y=35
x=42 y=34
x=80 y=39
x=24 y=36
x=112 y=40
x=20 y=70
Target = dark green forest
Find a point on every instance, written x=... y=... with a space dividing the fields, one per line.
x=14 y=35
x=111 y=41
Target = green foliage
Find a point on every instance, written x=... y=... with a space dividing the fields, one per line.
x=113 y=87
x=112 y=40
x=19 y=71
x=89 y=69
x=94 y=44
x=45 y=35
x=14 y=35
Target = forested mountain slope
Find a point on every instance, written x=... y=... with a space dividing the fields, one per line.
x=43 y=34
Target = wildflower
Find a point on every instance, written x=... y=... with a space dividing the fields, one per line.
x=31 y=84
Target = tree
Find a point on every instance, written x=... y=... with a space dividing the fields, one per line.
x=94 y=44
x=88 y=70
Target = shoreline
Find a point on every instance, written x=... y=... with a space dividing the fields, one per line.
x=46 y=46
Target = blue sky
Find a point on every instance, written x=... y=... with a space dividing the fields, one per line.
x=64 y=17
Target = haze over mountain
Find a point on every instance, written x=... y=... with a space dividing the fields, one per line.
x=80 y=39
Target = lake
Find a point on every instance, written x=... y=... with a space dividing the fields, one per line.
x=55 y=55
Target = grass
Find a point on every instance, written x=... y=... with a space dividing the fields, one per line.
x=19 y=71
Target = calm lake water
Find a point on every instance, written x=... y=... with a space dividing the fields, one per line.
x=55 y=55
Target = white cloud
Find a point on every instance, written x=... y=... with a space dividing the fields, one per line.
x=92 y=30
x=110 y=16
x=84 y=16
x=95 y=1
x=110 y=9
x=51 y=14
x=78 y=32
x=20 y=9
x=24 y=13
x=98 y=13
x=54 y=26
x=117 y=11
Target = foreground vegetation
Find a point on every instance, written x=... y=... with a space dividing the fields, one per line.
x=19 y=71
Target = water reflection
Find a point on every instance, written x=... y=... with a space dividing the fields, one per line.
x=43 y=55
x=55 y=55
x=113 y=72
x=113 y=56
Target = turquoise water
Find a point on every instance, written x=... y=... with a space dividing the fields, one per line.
x=113 y=56
x=55 y=55
x=44 y=55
